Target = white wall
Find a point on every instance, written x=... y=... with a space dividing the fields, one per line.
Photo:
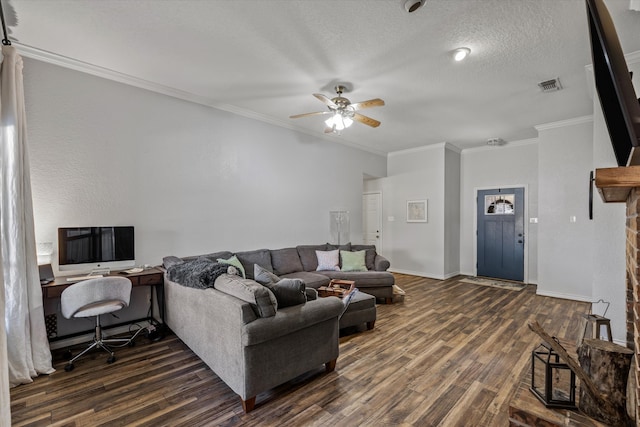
x=565 y=248
x=514 y=164
x=191 y=179
x=428 y=249
x=451 y=212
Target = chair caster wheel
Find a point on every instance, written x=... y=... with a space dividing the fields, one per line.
x=69 y=367
x=111 y=359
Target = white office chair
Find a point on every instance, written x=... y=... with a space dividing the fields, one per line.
x=92 y=298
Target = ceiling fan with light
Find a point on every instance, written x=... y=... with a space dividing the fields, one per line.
x=343 y=112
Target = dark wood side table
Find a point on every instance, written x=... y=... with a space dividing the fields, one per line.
x=152 y=277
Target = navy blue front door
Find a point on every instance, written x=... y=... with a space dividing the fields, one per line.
x=501 y=233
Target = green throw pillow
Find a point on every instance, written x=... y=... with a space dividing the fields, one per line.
x=353 y=261
x=235 y=262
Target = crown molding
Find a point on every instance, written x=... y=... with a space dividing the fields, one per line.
x=106 y=73
x=564 y=123
x=422 y=148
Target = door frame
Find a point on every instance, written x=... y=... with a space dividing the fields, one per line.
x=526 y=225
x=380 y=217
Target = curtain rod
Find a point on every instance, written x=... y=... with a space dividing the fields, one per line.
x=5 y=40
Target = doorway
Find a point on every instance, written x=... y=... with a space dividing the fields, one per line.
x=500 y=233
x=372 y=219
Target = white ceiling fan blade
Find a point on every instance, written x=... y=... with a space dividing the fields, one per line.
x=325 y=100
x=317 y=113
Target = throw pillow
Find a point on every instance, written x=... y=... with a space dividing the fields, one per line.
x=235 y=262
x=311 y=294
x=353 y=261
x=289 y=292
x=328 y=260
x=262 y=300
x=264 y=276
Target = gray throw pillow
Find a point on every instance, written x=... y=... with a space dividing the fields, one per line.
x=311 y=294
x=264 y=276
x=262 y=300
x=289 y=292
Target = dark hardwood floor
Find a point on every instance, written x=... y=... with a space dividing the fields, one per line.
x=451 y=354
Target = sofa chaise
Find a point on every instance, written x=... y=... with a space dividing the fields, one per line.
x=249 y=342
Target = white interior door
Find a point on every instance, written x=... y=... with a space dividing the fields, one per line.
x=372 y=219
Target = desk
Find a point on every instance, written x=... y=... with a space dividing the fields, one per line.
x=152 y=277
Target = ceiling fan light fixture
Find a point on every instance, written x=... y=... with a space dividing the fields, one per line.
x=338 y=122
x=461 y=53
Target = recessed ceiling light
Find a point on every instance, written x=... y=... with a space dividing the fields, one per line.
x=461 y=53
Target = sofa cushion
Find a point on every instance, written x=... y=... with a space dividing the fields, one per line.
x=234 y=261
x=262 y=300
x=285 y=261
x=311 y=278
x=328 y=260
x=353 y=261
x=370 y=256
x=364 y=279
x=345 y=247
x=262 y=257
x=198 y=273
x=264 y=276
x=288 y=292
x=308 y=256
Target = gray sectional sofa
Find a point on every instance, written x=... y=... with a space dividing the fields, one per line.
x=250 y=340
x=301 y=262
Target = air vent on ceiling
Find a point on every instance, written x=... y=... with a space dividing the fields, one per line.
x=496 y=142
x=550 y=85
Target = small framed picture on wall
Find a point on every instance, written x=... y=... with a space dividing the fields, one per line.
x=416 y=211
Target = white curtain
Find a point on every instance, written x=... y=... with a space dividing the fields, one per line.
x=5 y=403
x=27 y=346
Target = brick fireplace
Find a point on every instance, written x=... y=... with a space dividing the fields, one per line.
x=633 y=280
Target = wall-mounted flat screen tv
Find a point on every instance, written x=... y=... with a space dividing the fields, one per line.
x=618 y=99
x=87 y=248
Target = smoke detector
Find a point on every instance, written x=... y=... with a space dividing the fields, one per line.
x=496 y=142
x=550 y=85
x=413 y=5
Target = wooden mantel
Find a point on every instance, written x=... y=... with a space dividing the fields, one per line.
x=615 y=184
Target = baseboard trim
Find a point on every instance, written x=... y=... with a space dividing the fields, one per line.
x=572 y=297
x=417 y=273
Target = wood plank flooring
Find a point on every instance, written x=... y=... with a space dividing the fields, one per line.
x=451 y=354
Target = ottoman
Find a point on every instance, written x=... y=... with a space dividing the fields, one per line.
x=361 y=309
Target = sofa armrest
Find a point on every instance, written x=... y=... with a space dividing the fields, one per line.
x=381 y=263
x=291 y=319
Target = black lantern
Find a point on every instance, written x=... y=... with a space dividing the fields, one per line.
x=552 y=381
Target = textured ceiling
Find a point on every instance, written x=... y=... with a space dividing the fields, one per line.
x=264 y=58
